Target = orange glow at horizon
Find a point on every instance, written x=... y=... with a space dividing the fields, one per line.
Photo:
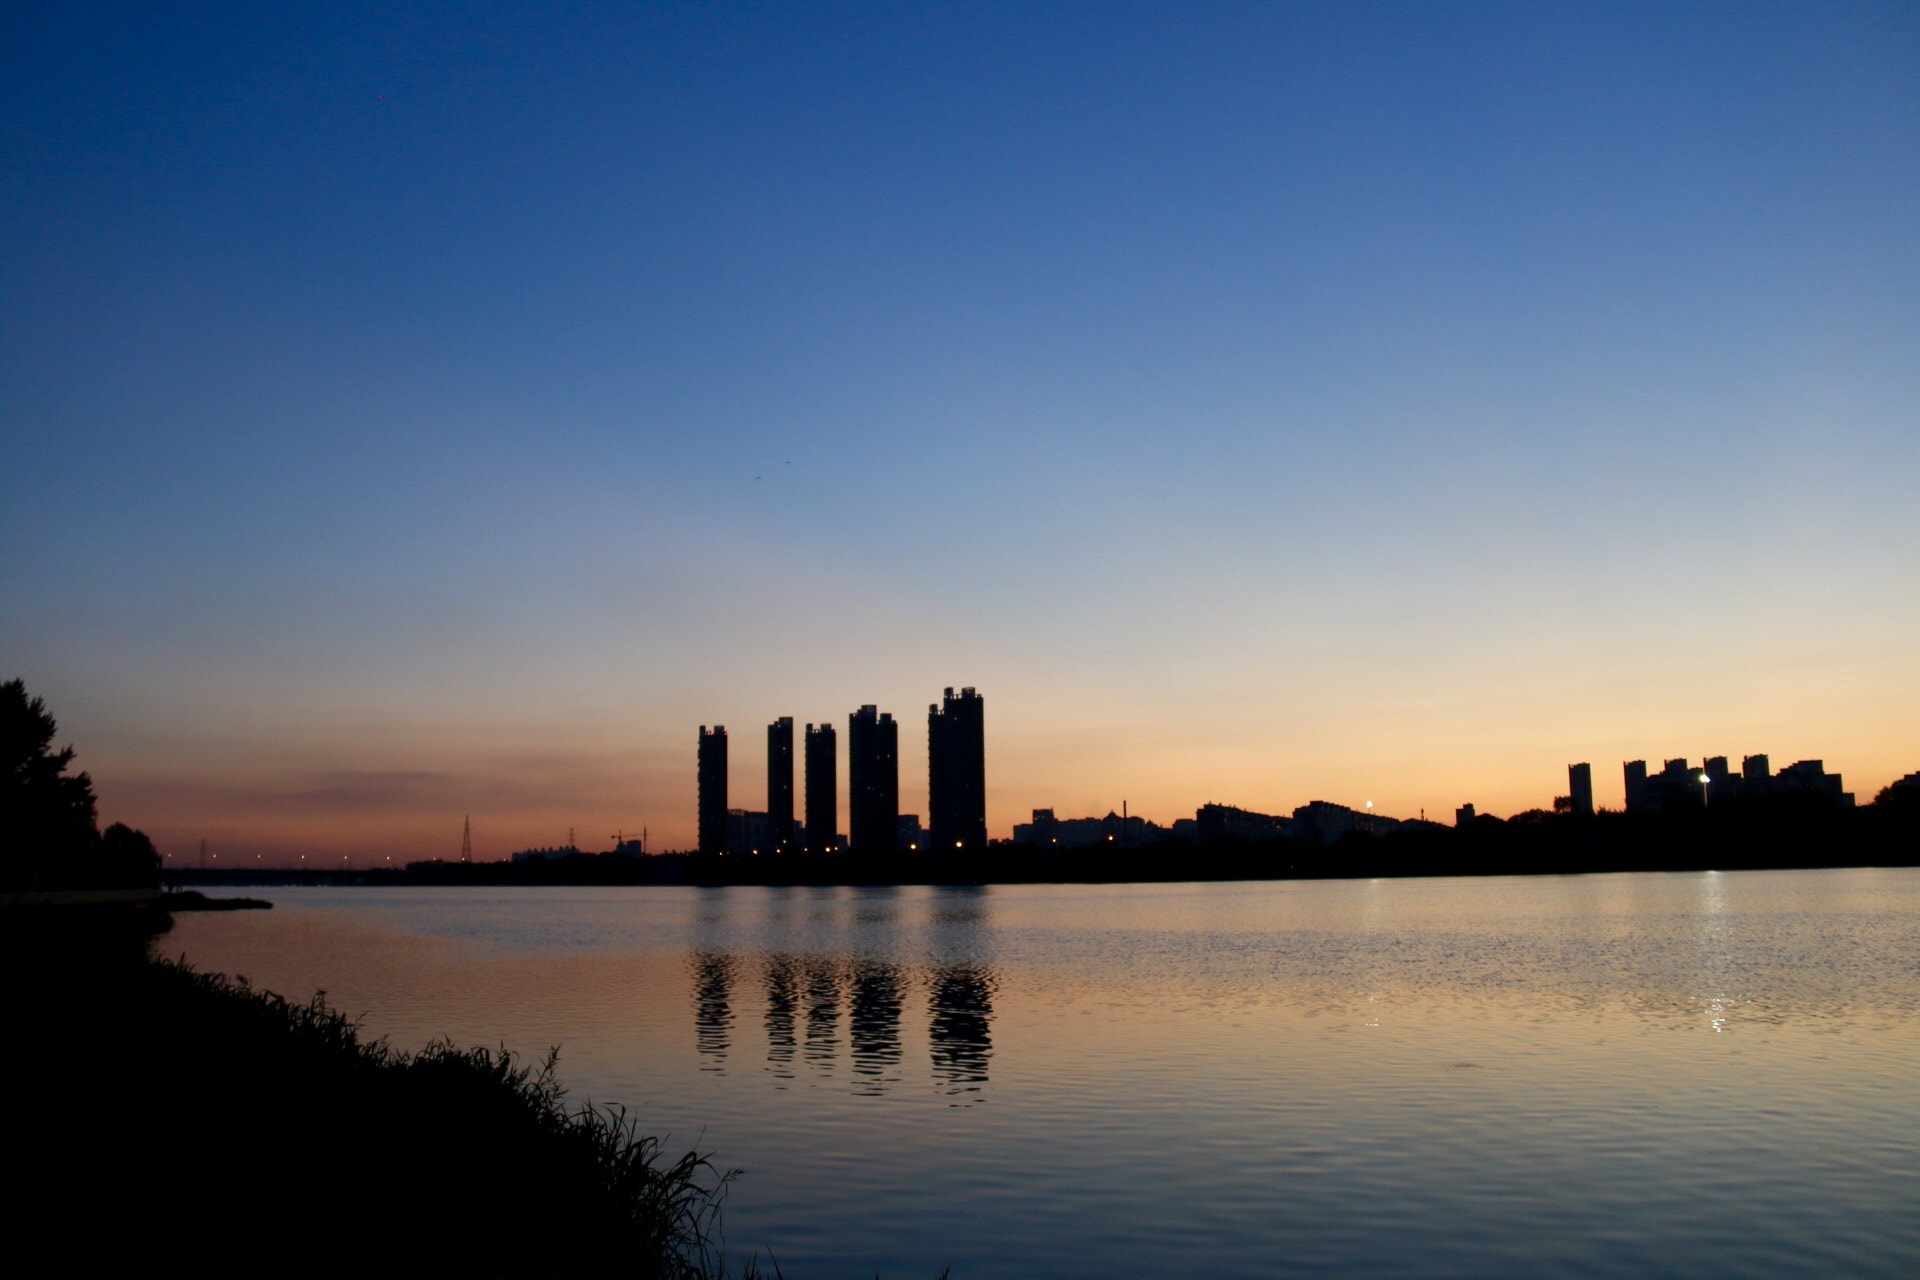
x=401 y=796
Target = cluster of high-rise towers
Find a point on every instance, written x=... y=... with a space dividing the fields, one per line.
x=957 y=785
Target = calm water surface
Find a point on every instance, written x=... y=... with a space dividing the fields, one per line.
x=1636 y=1075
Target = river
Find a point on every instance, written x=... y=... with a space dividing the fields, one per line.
x=1611 y=1075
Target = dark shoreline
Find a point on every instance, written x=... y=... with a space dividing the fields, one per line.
x=148 y=1092
x=1775 y=835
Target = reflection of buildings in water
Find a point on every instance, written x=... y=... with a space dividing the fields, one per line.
x=804 y=995
x=712 y=1015
x=782 y=988
x=959 y=1009
x=874 y=1023
x=823 y=1008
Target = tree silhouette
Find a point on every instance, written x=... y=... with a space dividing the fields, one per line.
x=1900 y=796
x=126 y=857
x=49 y=835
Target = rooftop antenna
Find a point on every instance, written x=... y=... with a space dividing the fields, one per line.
x=466 y=839
x=571 y=842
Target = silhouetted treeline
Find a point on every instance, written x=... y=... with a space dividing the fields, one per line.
x=49 y=823
x=166 y=1117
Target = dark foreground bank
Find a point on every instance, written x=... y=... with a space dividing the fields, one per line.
x=164 y=1117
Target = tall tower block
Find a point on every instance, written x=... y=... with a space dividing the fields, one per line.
x=1580 y=788
x=1636 y=771
x=823 y=789
x=780 y=785
x=713 y=789
x=957 y=772
x=873 y=781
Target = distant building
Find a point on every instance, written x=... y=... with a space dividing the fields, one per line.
x=1118 y=831
x=780 y=785
x=1223 y=821
x=1679 y=785
x=957 y=771
x=1042 y=830
x=1721 y=783
x=1580 y=789
x=747 y=833
x=713 y=789
x=823 y=789
x=873 y=781
x=1463 y=815
x=547 y=855
x=1811 y=776
x=908 y=833
x=1636 y=771
x=1324 y=822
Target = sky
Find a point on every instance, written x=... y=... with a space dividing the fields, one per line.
x=412 y=412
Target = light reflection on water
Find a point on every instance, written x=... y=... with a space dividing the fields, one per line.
x=1595 y=1076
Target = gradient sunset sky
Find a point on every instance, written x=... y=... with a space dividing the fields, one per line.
x=412 y=411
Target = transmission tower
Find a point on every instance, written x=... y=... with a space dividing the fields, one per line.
x=466 y=839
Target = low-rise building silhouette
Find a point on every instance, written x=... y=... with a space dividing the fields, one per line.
x=1047 y=831
x=554 y=854
x=1224 y=821
x=1811 y=777
x=748 y=833
x=1323 y=822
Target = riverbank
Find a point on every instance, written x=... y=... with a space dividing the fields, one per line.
x=169 y=901
x=1783 y=833
x=166 y=1112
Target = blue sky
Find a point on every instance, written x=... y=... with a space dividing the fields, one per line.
x=411 y=411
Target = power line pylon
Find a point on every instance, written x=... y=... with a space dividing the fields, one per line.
x=466 y=839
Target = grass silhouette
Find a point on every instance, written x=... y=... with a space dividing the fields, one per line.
x=161 y=1110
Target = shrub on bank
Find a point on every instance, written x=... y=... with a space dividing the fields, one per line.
x=165 y=1113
